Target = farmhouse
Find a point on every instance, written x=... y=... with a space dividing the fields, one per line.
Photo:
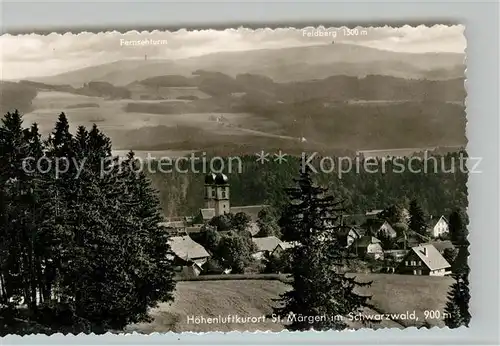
x=369 y=246
x=440 y=227
x=265 y=245
x=424 y=259
x=189 y=256
x=217 y=200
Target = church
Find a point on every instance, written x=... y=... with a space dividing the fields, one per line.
x=217 y=199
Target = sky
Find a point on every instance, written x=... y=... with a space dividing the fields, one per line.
x=34 y=55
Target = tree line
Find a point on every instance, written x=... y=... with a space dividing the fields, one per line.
x=438 y=193
x=80 y=251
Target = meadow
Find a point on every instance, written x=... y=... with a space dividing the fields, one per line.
x=150 y=130
x=391 y=294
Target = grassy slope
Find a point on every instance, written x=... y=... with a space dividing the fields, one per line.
x=213 y=298
x=401 y=293
x=390 y=294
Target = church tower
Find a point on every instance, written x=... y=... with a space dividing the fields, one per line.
x=210 y=191
x=217 y=193
x=221 y=194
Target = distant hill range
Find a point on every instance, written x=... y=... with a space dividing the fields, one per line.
x=281 y=65
x=336 y=96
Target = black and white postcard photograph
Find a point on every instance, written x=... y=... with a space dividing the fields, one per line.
x=245 y=179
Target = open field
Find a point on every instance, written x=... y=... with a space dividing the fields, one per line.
x=131 y=130
x=213 y=298
x=199 y=125
x=401 y=293
x=390 y=294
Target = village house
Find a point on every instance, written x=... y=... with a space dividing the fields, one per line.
x=265 y=245
x=282 y=246
x=439 y=227
x=353 y=234
x=368 y=246
x=189 y=256
x=424 y=259
x=217 y=201
x=382 y=227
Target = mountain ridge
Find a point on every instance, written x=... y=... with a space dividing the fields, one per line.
x=282 y=65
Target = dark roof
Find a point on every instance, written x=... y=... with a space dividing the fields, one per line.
x=217 y=179
x=431 y=257
x=210 y=178
x=221 y=179
x=250 y=210
x=366 y=240
x=359 y=231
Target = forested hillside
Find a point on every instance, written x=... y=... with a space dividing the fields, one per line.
x=438 y=193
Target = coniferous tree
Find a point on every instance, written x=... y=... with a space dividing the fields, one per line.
x=457 y=228
x=457 y=306
x=81 y=247
x=453 y=317
x=417 y=218
x=155 y=281
x=311 y=220
x=459 y=296
x=18 y=231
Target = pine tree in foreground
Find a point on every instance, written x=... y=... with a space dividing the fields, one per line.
x=459 y=296
x=322 y=296
x=457 y=306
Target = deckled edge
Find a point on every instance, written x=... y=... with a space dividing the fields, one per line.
x=269 y=332
x=242 y=27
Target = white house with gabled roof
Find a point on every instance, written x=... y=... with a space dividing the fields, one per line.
x=440 y=227
x=424 y=259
